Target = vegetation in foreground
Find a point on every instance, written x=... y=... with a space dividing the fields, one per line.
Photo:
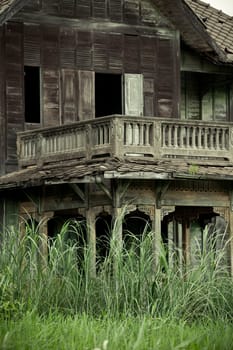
x=83 y=332
x=56 y=303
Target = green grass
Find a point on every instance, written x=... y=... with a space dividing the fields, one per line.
x=55 y=302
x=87 y=333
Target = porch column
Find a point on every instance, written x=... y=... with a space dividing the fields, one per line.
x=90 y=217
x=157 y=236
x=43 y=232
x=186 y=242
x=118 y=216
x=117 y=229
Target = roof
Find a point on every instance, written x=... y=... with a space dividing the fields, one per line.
x=9 y=7
x=127 y=168
x=218 y=24
x=193 y=29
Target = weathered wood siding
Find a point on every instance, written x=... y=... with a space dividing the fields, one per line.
x=2 y=104
x=13 y=89
x=71 y=40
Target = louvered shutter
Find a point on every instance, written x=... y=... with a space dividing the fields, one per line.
x=51 y=97
x=69 y=95
x=168 y=78
x=133 y=91
x=86 y=105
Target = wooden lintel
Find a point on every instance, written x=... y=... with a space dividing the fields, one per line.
x=78 y=191
x=146 y=175
x=85 y=179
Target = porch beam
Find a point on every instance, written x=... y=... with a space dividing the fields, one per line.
x=77 y=190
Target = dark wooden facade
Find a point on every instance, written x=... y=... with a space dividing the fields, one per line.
x=111 y=107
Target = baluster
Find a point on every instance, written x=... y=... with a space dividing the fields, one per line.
x=62 y=143
x=182 y=135
x=141 y=134
x=224 y=142
x=211 y=138
x=206 y=138
x=164 y=127
x=176 y=136
x=106 y=134
x=69 y=140
x=193 y=137
x=45 y=145
x=217 y=141
x=199 y=138
x=25 y=149
x=135 y=134
x=58 y=142
x=147 y=135
x=169 y=136
x=128 y=134
x=188 y=137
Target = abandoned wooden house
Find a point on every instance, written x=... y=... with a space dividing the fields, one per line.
x=117 y=107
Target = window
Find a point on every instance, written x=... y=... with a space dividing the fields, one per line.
x=112 y=98
x=32 y=94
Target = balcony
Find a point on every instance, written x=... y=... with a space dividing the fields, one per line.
x=121 y=136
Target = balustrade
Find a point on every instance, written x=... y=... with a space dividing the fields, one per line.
x=125 y=135
x=195 y=137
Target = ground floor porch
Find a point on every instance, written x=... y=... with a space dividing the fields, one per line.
x=187 y=217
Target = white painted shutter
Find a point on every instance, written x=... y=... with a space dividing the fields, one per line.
x=133 y=89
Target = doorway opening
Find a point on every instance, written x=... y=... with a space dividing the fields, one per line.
x=136 y=224
x=103 y=227
x=108 y=94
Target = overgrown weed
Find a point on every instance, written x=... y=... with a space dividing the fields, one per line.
x=127 y=283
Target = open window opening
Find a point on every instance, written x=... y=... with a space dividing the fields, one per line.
x=32 y=94
x=193 y=233
x=108 y=94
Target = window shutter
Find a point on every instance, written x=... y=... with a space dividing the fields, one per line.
x=86 y=95
x=69 y=96
x=133 y=89
x=51 y=97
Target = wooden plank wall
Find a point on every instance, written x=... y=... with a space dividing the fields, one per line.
x=2 y=104
x=14 y=89
x=67 y=54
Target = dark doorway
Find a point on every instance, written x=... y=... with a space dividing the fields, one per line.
x=103 y=234
x=135 y=225
x=108 y=94
x=74 y=232
x=32 y=94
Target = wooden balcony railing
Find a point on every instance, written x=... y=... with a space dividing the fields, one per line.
x=121 y=136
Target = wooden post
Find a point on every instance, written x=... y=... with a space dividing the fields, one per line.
x=157 y=236
x=186 y=242
x=117 y=239
x=90 y=217
x=43 y=231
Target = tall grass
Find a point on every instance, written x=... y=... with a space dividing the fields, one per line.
x=126 y=284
